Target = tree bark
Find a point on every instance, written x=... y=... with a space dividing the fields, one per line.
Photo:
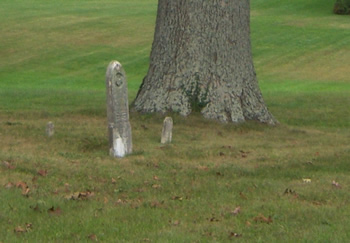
x=201 y=59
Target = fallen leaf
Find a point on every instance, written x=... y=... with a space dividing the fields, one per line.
x=120 y=202
x=156 y=204
x=55 y=211
x=307 y=180
x=9 y=185
x=93 y=237
x=262 y=219
x=114 y=181
x=25 y=192
x=177 y=198
x=24 y=187
x=316 y=203
x=236 y=211
x=336 y=184
x=29 y=226
x=42 y=173
x=244 y=154
x=205 y=168
x=155 y=178
x=86 y=195
x=80 y=195
x=8 y=165
x=175 y=223
x=243 y=196
x=235 y=235
x=19 y=229
x=248 y=223
x=156 y=186
x=105 y=200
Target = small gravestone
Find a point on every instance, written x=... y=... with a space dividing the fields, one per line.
x=119 y=129
x=167 y=131
x=50 y=129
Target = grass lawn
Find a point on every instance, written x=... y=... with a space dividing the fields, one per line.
x=215 y=182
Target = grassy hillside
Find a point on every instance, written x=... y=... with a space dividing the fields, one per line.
x=215 y=182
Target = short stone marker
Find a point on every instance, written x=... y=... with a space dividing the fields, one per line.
x=50 y=129
x=119 y=129
x=167 y=131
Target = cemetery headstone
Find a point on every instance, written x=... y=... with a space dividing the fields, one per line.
x=167 y=131
x=119 y=129
x=50 y=129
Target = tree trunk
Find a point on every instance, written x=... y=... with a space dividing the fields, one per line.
x=201 y=59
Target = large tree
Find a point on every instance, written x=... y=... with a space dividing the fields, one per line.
x=201 y=59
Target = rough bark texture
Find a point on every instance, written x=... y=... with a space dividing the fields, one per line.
x=119 y=129
x=201 y=59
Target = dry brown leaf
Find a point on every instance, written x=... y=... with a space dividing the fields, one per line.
x=86 y=195
x=236 y=211
x=42 y=173
x=9 y=185
x=316 y=203
x=8 y=165
x=93 y=237
x=243 y=196
x=175 y=223
x=113 y=181
x=29 y=226
x=155 y=178
x=80 y=195
x=22 y=185
x=19 y=229
x=205 y=168
x=105 y=200
x=262 y=219
x=177 y=198
x=26 y=191
x=156 y=186
x=336 y=184
x=156 y=204
x=235 y=235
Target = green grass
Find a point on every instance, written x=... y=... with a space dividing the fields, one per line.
x=53 y=57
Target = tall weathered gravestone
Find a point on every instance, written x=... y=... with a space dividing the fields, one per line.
x=167 y=132
x=50 y=129
x=119 y=129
